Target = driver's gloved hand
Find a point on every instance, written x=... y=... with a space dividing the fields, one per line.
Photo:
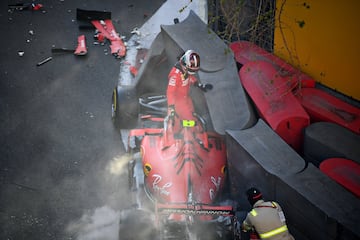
x=171 y=110
x=205 y=87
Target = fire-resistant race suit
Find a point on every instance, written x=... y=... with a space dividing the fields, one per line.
x=178 y=93
x=268 y=220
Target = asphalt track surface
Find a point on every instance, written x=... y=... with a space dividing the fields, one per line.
x=61 y=161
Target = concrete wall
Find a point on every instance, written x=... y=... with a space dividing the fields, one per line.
x=217 y=68
x=316 y=207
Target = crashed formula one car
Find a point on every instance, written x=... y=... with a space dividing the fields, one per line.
x=178 y=178
x=185 y=184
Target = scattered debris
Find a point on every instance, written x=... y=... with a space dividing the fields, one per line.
x=90 y=114
x=62 y=50
x=22 y=186
x=140 y=56
x=99 y=37
x=89 y=15
x=80 y=50
x=44 y=61
x=133 y=71
x=105 y=30
x=25 y=6
x=135 y=31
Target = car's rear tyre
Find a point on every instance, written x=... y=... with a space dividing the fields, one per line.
x=114 y=109
x=124 y=107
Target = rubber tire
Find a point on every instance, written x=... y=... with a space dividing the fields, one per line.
x=124 y=107
x=114 y=109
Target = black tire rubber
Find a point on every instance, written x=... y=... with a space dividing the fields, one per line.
x=124 y=107
x=114 y=109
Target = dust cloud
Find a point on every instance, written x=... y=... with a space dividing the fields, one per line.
x=102 y=223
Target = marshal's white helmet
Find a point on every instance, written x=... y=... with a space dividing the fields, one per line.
x=190 y=61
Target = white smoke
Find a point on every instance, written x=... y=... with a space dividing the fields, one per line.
x=100 y=224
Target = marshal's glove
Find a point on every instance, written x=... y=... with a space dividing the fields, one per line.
x=205 y=87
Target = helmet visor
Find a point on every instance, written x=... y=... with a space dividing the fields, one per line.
x=193 y=64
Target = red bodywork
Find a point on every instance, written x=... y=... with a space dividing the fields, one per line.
x=81 y=47
x=184 y=171
x=107 y=30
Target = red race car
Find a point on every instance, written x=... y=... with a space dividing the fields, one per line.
x=178 y=178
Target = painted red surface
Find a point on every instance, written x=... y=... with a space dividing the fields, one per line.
x=182 y=163
x=275 y=102
x=81 y=47
x=321 y=106
x=106 y=28
x=344 y=171
x=245 y=52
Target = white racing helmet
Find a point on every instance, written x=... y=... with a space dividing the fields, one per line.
x=190 y=61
